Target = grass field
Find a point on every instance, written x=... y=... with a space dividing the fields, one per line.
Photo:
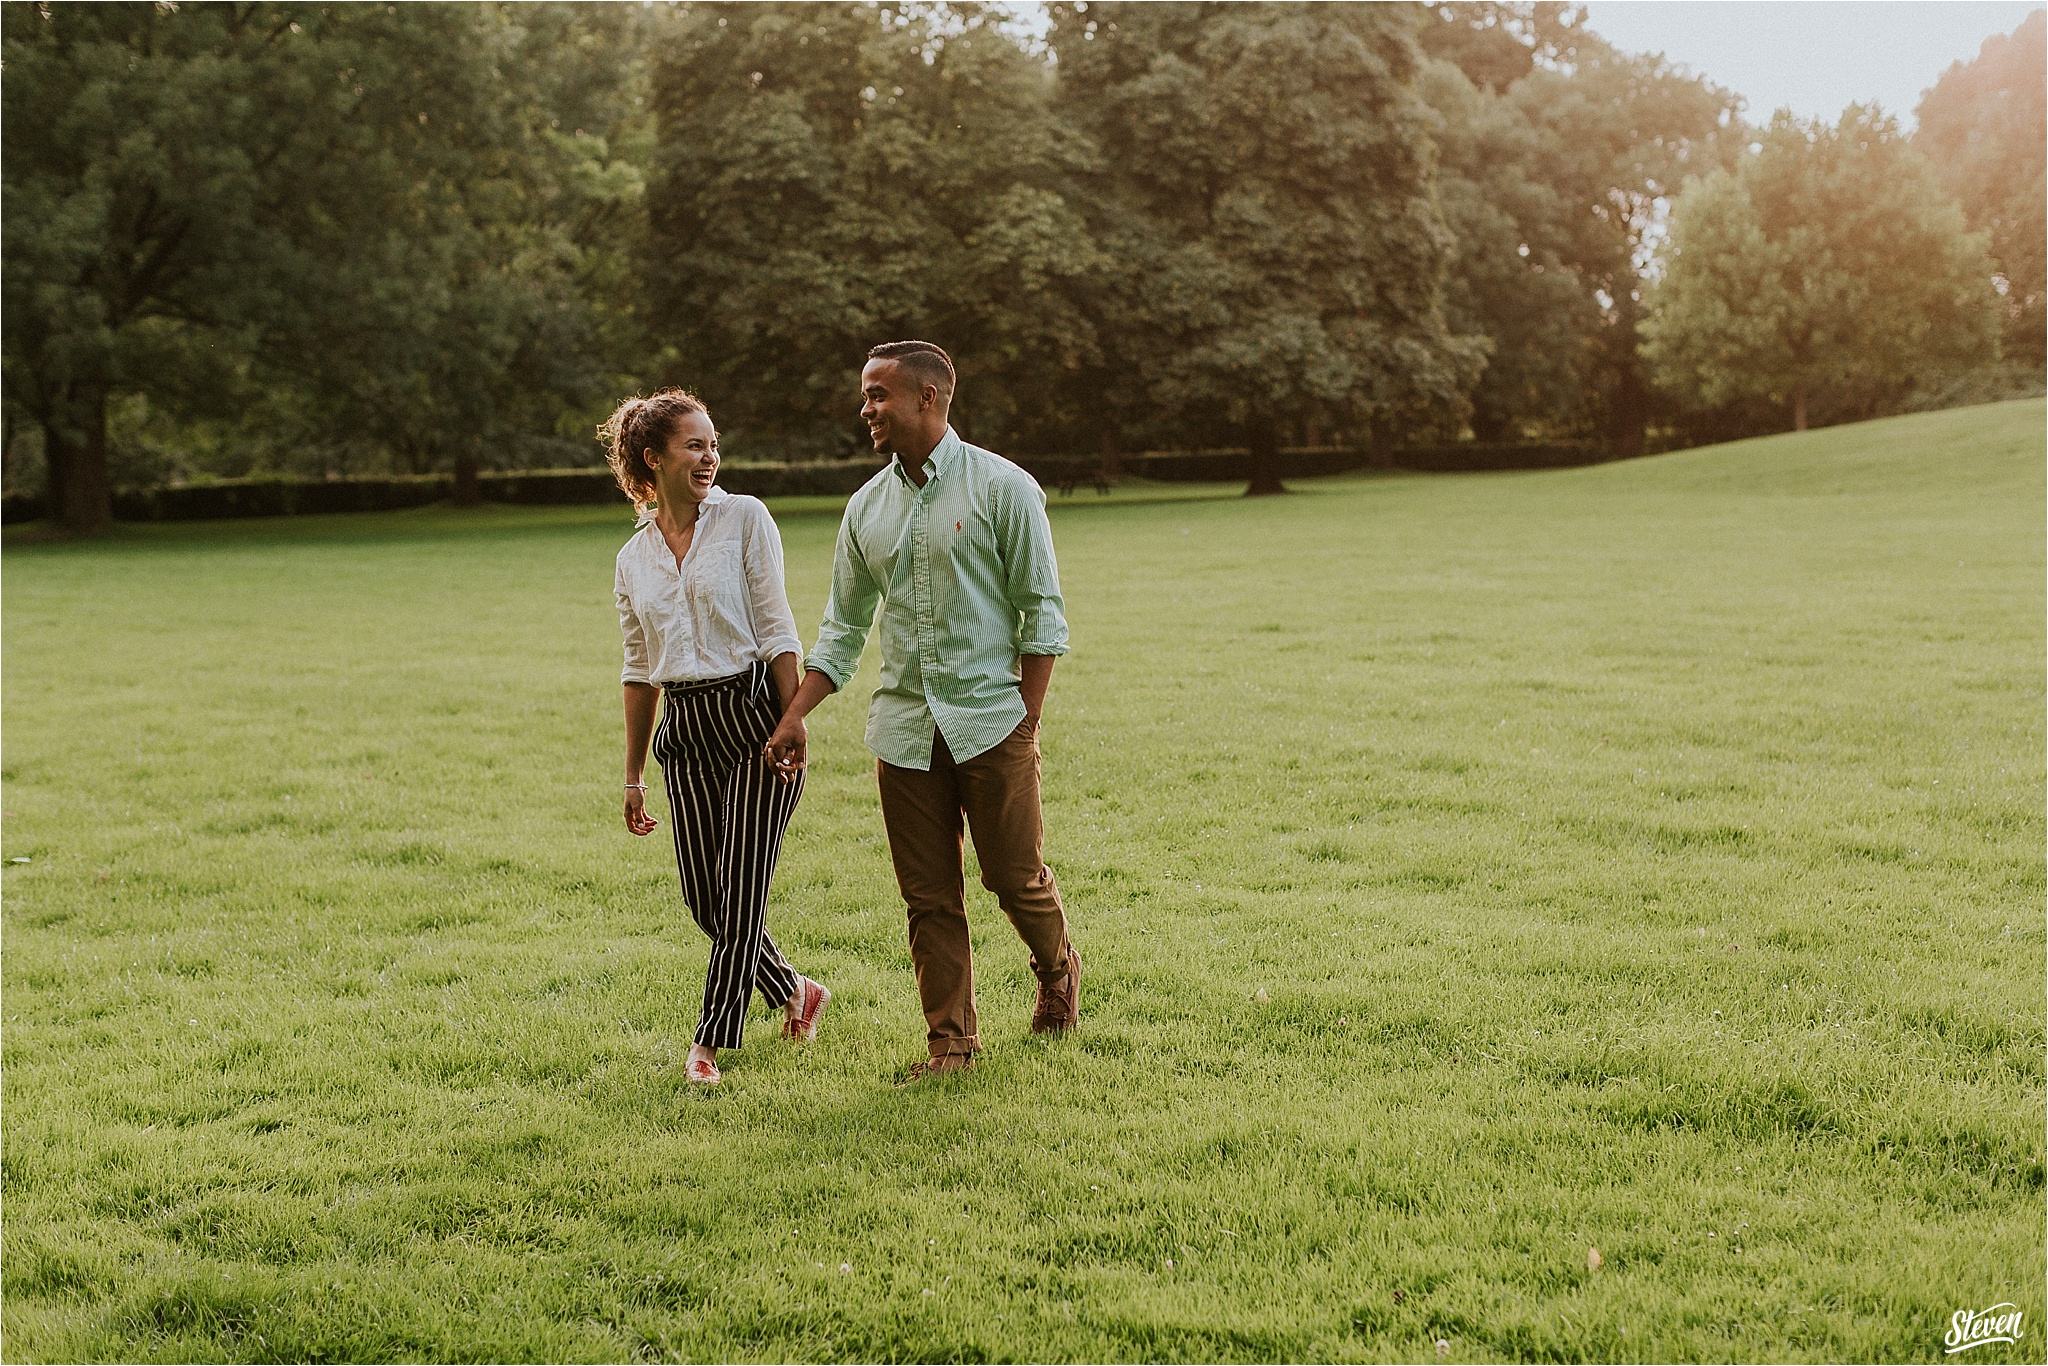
x=1472 y=872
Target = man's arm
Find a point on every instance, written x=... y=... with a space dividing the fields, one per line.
x=1031 y=574
x=1037 y=671
x=1031 y=581
x=849 y=613
x=842 y=635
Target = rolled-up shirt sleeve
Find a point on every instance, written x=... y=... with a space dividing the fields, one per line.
x=1031 y=575
x=849 y=610
x=768 y=596
x=633 y=630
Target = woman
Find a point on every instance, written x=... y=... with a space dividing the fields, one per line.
x=708 y=630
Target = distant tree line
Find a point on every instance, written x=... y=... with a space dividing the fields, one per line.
x=331 y=238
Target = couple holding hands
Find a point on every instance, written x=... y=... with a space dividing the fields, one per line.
x=950 y=542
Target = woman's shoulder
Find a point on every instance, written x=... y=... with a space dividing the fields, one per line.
x=744 y=512
x=636 y=544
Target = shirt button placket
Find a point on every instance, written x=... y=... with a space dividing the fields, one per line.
x=921 y=574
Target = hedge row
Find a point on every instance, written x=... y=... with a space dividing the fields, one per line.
x=230 y=498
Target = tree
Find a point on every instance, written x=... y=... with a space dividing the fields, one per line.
x=471 y=317
x=1984 y=130
x=1618 y=134
x=1511 y=278
x=1495 y=43
x=1264 y=192
x=1830 y=257
x=831 y=176
x=140 y=147
x=1556 y=155
x=292 y=194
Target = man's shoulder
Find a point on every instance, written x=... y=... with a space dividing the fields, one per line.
x=878 y=485
x=997 y=470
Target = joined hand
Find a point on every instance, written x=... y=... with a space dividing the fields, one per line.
x=787 y=752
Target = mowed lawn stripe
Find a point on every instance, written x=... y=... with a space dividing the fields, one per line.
x=1473 y=871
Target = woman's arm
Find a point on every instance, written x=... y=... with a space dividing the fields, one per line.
x=768 y=599
x=640 y=703
x=783 y=669
x=788 y=750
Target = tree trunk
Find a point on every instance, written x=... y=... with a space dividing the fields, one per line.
x=1265 y=458
x=81 y=491
x=465 y=493
x=1631 y=400
x=1489 y=425
x=1112 y=469
x=1799 y=405
x=1630 y=404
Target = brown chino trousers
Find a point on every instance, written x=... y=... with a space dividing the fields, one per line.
x=997 y=791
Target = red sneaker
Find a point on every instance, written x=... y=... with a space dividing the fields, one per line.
x=800 y=1016
x=703 y=1072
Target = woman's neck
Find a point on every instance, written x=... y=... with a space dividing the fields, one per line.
x=677 y=514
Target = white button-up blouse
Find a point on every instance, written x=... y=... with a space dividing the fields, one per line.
x=725 y=608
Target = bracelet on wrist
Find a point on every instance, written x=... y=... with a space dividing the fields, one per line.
x=641 y=786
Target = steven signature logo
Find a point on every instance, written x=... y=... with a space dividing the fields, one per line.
x=1969 y=1328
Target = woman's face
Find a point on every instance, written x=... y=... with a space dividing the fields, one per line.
x=686 y=467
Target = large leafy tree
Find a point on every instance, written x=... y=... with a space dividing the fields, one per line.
x=1263 y=192
x=1829 y=259
x=1984 y=130
x=337 y=199
x=487 y=308
x=1512 y=277
x=1618 y=135
x=1556 y=155
x=830 y=176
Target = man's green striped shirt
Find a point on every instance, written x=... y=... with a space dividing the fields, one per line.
x=963 y=573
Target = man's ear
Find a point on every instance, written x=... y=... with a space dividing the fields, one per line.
x=929 y=397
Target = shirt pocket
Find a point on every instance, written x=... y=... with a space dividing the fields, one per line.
x=717 y=589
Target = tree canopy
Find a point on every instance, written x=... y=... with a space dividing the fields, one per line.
x=1263 y=193
x=287 y=236
x=354 y=204
x=1984 y=129
x=1831 y=259
x=832 y=176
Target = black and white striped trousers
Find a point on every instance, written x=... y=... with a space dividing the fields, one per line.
x=729 y=811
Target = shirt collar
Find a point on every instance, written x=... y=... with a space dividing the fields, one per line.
x=941 y=459
x=648 y=510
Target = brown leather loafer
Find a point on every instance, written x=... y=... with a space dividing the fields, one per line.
x=1059 y=1003
x=945 y=1065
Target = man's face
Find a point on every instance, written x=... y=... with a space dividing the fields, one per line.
x=891 y=404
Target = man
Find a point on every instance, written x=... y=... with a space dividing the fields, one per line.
x=952 y=543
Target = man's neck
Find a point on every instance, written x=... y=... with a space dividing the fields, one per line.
x=912 y=458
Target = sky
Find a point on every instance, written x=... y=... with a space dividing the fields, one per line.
x=1814 y=56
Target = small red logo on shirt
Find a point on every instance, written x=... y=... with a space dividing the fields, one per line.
x=956 y=526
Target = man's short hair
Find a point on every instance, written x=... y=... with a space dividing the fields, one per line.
x=922 y=361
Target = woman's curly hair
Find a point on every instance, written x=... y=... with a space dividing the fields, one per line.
x=640 y=425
